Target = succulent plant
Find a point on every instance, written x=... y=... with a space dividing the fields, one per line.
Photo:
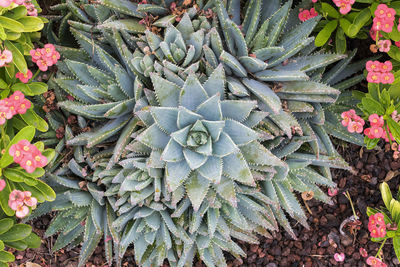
x=201 y=130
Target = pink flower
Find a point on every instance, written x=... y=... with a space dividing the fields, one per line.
x=28 y=164
x=374 y=77
x=380 y=11
x=384 y=45
x=387 y=78
x=346 y=118
x=16 y=199
x=22 y=211
x=375 y=262
x=5 y=112
x=43 y=64
x=375 y=120
x=314 y=1
x=36 y=55
x=17 y=97
x=55 y=57
x=355 y=127
x=368 y=133
x=304 y=15
x=40 y=160
x=363 y=252
x=384 y=13
x=2 y=184
x=332 y=192
x=386 y=66
x=357 y=118
x=48 y=50
x=376 y=132
x=339 y=257
x=387 y=26
x=23 y=106
x=5 y=57
x=377 y=226
x=373 y=66
x=5 y=3
x=24 y=77
x=344 y=5
x=313 y=13
x=27 y=156
x=29 y=200
x=397 y=43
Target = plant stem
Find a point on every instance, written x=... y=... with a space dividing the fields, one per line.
x=380 y=248
x=347 y=195
x=36 y=74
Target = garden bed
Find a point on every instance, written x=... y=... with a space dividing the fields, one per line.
x=312 y=248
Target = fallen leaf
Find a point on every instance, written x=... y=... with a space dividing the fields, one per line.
x=31 y=264
x=390 y=175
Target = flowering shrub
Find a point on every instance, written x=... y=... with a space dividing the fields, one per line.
x=383 y=225
x=340 y=20
x=21 y=164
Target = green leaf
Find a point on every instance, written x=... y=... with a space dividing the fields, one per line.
x=17 y=232
x=372 y=106
x=371 y=143
x=359 y=21
x=13 y=175
x=11 y=24
x=340 y=41
x=31 y=24
x=18 y=57
x=4 y=196
x=324 y=35
x=6 y=256
x=386 y=194
x=330 y=10
x=27 y=133
x=18 y=245
x=24 y=88
x=5 y=225
x=47 y=191
x=396 y=246
x=345 y=24
x=394 y=52
x=31 y=118
x=38 y=88
x=394 y=129
x=33 y=240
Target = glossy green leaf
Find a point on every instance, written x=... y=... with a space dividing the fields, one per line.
x=324 y=35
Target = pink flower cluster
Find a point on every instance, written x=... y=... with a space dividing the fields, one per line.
x=32 y=11
x=376 y=130
x=27 y=156
x=45 y=57
x=20 y=201
x=384 y=18
x=5 y=57
x=379 y=72
x=375 y=262
x=377 y=226
x=15 y=104
x=352 y=121
x=307 y=14
x=344 y=5
x=24 y=77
